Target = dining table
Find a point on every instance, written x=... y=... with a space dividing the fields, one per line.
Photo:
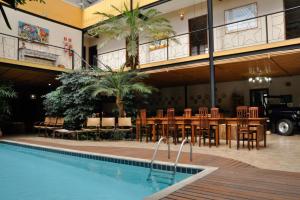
x=229 y=122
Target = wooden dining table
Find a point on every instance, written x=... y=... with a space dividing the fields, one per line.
x=229 y=123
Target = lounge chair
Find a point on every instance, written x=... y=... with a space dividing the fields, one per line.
x=58 y=125
x=49 y=122
x=92 y=127
x=107 y=125
x=125 y=125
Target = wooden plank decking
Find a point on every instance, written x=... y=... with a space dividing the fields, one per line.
x=233 y=179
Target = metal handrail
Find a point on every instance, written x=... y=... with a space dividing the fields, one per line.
x=155 y=153
x=179 y=153
x=214 y=27
x=44 y=44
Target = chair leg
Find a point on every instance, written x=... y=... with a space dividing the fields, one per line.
x=243 y=140
x=248 y=136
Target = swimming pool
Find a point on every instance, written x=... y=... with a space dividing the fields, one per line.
x=35 y=173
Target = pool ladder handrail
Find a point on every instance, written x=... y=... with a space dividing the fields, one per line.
x=155 y=153
x=179 y=153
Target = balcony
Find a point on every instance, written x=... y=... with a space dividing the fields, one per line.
x=19 y=51
x=253 y=34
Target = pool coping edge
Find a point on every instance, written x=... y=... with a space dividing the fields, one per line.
x=158 y=195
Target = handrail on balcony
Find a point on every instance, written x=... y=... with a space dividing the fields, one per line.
x=214 y=27
x=20 y=39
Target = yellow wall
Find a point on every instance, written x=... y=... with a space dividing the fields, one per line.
x=89 y=18
x=61 y=11
x=57 y=10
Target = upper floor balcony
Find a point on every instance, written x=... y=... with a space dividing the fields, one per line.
x=253 y=33
x=19 y=51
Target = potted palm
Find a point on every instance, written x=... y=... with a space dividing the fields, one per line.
x=129 y=26
x=119 y=84
x=6 y=93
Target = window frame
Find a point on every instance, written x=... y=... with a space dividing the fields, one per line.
x=227 y=31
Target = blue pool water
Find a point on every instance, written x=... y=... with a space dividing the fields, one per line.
x=30 y=174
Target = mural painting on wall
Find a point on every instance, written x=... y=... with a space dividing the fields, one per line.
x=33 y=33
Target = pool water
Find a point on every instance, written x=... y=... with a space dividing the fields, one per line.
x=31 y=174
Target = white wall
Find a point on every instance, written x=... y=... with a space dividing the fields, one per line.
x=57 y=32
x=199 y=95
x=223 y=40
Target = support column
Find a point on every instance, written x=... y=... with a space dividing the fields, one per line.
x=211 y=53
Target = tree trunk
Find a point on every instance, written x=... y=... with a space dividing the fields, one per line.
x=132 y=61
x=120 y=105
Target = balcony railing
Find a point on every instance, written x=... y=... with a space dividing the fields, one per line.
x=16 y=48
x=254 y=31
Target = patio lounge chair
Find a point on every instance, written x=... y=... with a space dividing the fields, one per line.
x=58 y=125
x=49 y=122
x=107 y=125
x=92 y=127
x=125 y=125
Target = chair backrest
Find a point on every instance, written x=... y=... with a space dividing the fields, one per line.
x=203 y=122
x=214 y=113
x=47 y=120
x=93 y=122
x=160 y=113
x=143 y=117
x=203 y=111
x=108 y=122
x=253 y=112
x=124 y=122
x=187 y=113
x=242 y=112
x=171 y=116
x=60 y=121
x=52 y=121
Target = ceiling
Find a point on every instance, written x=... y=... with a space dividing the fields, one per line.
x=176 y=5
x=29 y=78
x=273 y=65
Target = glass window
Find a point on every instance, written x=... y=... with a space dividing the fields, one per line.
x=240 y=14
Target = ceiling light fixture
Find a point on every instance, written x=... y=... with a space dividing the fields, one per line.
x=259 y=79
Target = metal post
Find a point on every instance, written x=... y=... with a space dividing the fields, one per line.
x=167 y=48
x=211 y=53
x=73 y=61
x=267 y=30
x=18 y=49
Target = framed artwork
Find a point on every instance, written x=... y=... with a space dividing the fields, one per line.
x=158 y=44
x=33 y=33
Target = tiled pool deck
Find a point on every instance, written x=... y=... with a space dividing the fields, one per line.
x=232 y=180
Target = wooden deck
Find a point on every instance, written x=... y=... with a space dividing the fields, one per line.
x=233 y=179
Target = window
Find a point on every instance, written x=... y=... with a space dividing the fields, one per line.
x=240 y=14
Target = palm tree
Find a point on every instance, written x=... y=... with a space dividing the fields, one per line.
x=129 y=26
x=118 y=84
x=13 y=4
x=6 y=93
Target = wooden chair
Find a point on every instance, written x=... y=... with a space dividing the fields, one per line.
x=187 y=123
x=158 y=123
x=214 y=126
x=203 y=111
x=253 y=112
x=171 y=125
x=203 y=129
x=160 y=113
x=243 y=128
x=143 y=127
